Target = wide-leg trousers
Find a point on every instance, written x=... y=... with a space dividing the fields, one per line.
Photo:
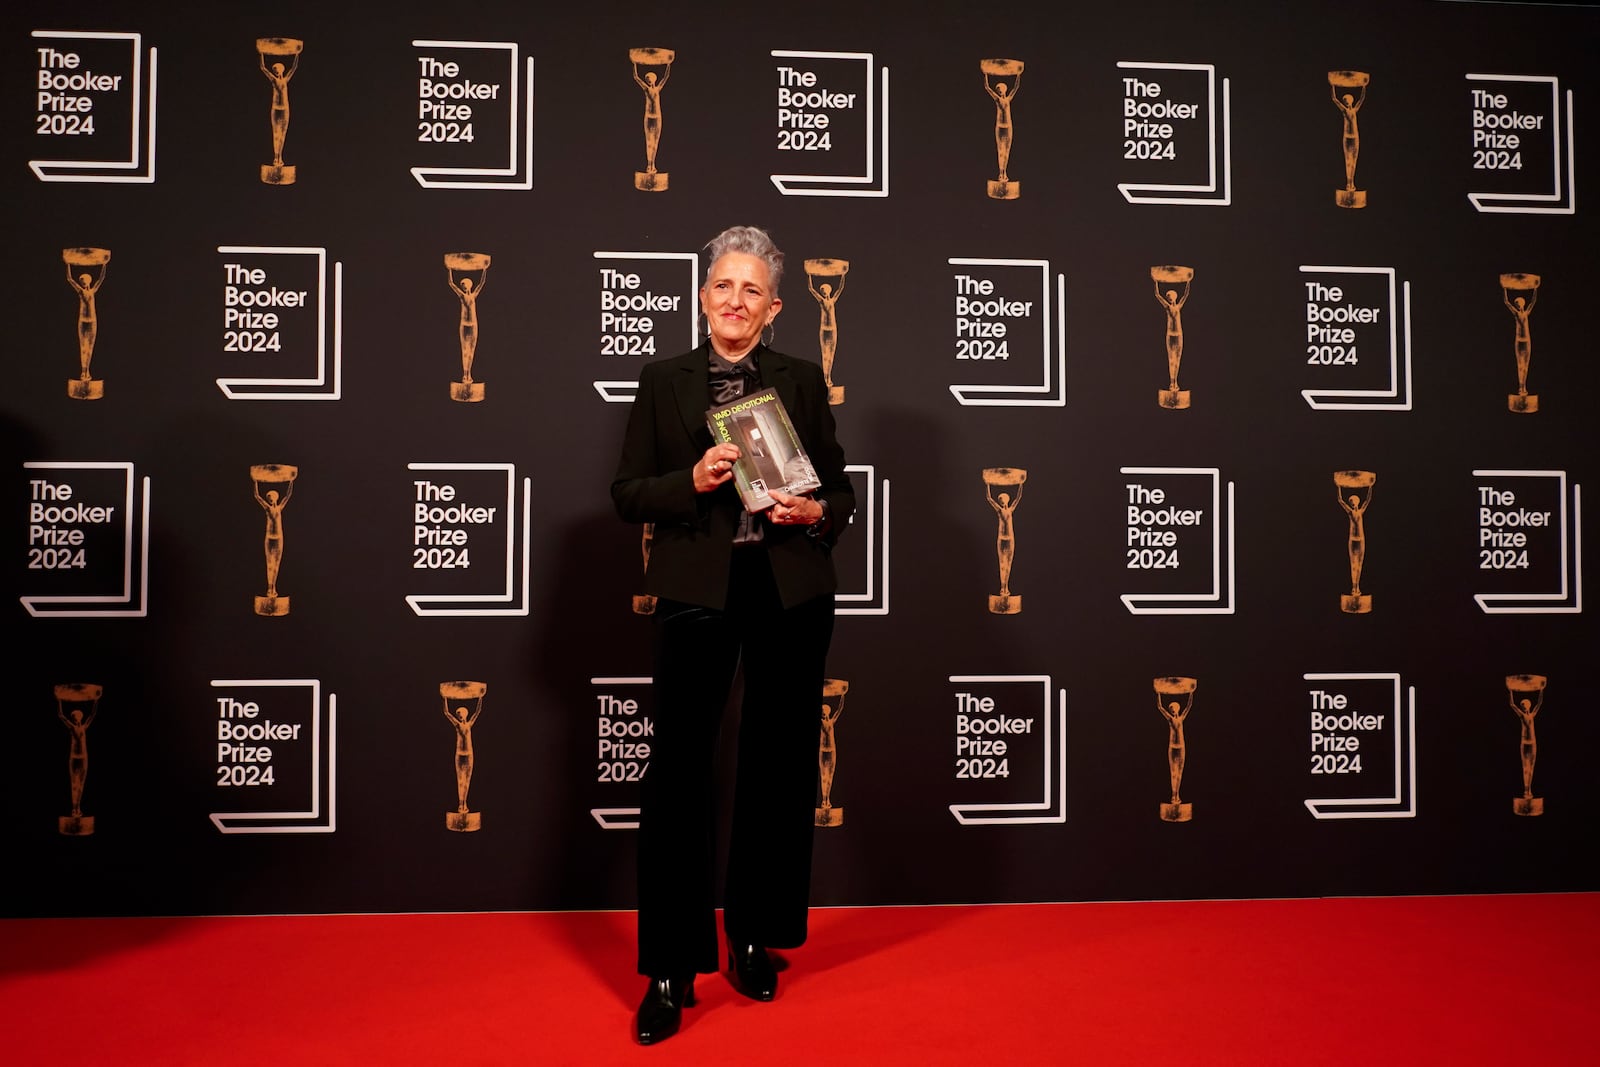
x=697 y=653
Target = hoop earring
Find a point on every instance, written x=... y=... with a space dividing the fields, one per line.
x=771 y=334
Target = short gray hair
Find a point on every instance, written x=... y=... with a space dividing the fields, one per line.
x=751 y=241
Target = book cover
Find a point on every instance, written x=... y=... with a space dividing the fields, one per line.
x=770 y=453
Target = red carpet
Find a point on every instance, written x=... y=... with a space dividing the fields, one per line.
x=1370 y=981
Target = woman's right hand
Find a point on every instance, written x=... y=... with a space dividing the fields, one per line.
x=715 y=467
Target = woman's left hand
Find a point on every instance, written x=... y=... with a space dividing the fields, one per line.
x=794 y=510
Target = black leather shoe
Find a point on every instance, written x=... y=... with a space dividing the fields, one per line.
x=750 y=970
x=661 y=1010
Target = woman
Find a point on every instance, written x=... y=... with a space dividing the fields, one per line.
x=733 y=590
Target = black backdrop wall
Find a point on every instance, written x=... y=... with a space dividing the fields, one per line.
x=1234 y=327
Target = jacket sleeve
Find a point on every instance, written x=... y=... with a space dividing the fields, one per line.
x=827 y=457
x=655 y=478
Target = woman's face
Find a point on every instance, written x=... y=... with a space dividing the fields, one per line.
x=738 y=303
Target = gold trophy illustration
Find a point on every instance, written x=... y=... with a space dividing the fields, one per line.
x=1003 y=488
x=1002 y=188
x=80 y=263
x=473 y=268
x=1171 y=299
x=825 y=279
x=1527 y=697
x=1526 y=288
x=1174 y=698
x=1347 y=488
x=644 y=603
x=279 y=49
x=652 y=82
x=833 y=691
x=76 y=707
x=274 y=483
x=1348 y=104
x=463 y=703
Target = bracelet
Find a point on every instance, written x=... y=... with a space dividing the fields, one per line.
x=816 y=528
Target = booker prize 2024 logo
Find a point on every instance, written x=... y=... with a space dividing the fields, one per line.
x=1357 y=343
x=1010 y=749
x=463 y=703
x=647 y=308
x=1529 y=538
x=1520 y=137
x=77 y=704
x=1177 y=134
x=862 y=558
x=281 y=339
x=832 y=119
x=469 y=539
x=1362 y=746
x=94 y=107
x=474 y=107
x=1003 y=309
x=87 y=540
x=1179 y=546
x=277 y=756
x=624 y=733
x=86 y=273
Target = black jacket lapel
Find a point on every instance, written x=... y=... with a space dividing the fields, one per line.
x=689 y=388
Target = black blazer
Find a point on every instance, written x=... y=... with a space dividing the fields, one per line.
x=693 y=540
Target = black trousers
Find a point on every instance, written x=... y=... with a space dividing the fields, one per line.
x=697 y=652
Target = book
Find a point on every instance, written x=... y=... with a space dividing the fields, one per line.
x=770 y=454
